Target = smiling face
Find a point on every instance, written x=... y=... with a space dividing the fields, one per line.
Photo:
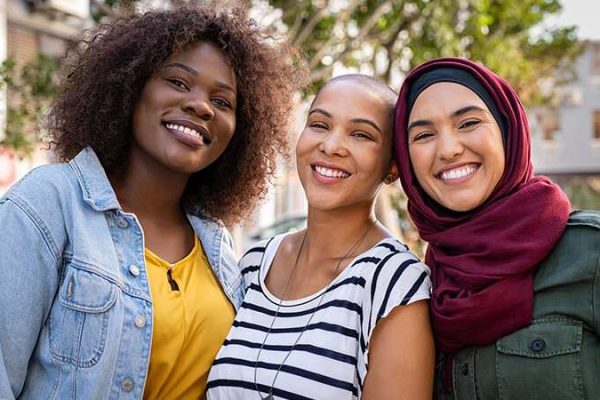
x=344 y=150
x=185 y=115
x=455 y=146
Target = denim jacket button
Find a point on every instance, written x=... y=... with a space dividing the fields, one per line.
x=140 y=321
x=127 y=384
x=122 y=223
x=134 y=270
x=538 y=344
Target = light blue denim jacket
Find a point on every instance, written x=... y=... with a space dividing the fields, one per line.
x=75 y=306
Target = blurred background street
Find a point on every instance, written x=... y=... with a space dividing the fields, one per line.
x=548 y=49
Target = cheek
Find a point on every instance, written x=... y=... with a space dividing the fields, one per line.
x=231 y=132
x=499 y=166
x=496 y=157
x=302 y=148
x=418 y=161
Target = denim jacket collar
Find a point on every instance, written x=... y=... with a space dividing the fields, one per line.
x=99 y=194
x=95 y=186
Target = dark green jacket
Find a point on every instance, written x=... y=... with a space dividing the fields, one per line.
x=557 y=357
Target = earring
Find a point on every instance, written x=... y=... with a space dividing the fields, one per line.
x=389 y=178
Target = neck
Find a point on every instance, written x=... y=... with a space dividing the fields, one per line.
x=150 y=191
x=331 y=234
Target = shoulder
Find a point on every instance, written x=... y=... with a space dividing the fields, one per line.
x=253 y=255
x=390 y=265
x=584 y=218
x=45 y=189
x=582 y=231
x=397 y=279
x=578 y=247
x=257 y=248
x=41 y=199
x=50 y=179
x=390 y=254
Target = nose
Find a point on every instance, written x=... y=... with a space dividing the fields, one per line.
x=199 y=105
x=334 y=144
x=450 y=145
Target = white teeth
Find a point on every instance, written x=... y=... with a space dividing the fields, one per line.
x=331 y=173
x=185 y=130
x=458 y=173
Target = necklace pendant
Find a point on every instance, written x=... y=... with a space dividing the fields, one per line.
x=269 y=397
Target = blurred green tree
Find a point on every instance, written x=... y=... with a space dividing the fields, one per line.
x=391 y=37
x=388 y=38
x=383 y=37
x=31 y=88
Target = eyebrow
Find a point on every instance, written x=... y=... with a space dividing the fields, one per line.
x=366 y=121
x=454 y=114
x=184 y=67
x=355 y=120
x=320 y=111
x=193 y=72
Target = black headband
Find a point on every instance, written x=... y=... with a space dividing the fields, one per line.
x=462 y=77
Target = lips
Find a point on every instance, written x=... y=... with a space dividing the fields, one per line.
x=460 y=172
x=329 y=171
x=190 y=129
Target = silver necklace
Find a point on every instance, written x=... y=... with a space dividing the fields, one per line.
x=270 y=395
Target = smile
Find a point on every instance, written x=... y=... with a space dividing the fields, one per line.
x=458 y=173
x=189 y=132
x=330 y=173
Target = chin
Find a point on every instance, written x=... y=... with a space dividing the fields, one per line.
x=322 y=204
x=461 y=205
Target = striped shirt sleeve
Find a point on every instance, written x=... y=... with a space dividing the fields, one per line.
x=249 y=264
x=399 y=279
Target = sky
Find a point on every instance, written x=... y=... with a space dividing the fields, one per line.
x=585 y=14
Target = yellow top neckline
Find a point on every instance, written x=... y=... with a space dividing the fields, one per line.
x=163 y=263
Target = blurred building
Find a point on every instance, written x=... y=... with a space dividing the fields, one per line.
x=28 y=28
x=566 y=136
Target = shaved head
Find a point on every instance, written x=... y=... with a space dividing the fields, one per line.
x=375 y=85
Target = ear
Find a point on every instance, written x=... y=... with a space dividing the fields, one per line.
x=392 y=174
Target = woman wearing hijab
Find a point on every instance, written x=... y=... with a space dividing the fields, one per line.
x=516 y=286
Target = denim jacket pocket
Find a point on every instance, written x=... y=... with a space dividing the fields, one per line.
x=541 y=361
x=80 y=316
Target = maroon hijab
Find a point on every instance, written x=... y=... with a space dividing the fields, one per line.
x=483 y=261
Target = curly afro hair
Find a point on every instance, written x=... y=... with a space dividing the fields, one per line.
x=106 y=70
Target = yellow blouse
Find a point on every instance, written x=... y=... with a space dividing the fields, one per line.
x=192 y=317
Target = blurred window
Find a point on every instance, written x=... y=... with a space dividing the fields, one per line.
x=596 y=60
x=597 y=124
x=550 y=124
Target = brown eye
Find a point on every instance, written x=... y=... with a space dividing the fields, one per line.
x=318 y=125
x=422 y=136
x=362 y=135
x=469 y=124
x=222 y=102
x=177 y=82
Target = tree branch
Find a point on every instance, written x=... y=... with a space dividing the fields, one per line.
x=293 y=32
x=310 y=26
x=326 y=47
x=321 y=73
x=388 y=45
x=107 y=10
x=364 y=30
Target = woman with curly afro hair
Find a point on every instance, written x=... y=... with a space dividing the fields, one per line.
x=123 y=283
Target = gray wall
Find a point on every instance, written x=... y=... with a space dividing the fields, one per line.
x=573 y=150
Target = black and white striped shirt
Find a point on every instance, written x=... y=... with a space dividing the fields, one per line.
x=331 y=358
